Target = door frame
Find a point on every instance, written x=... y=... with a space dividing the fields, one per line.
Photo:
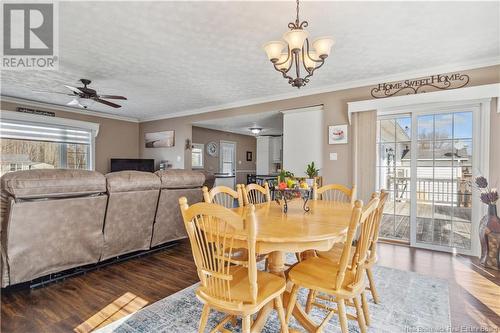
x=234 y=143
x=481 y=110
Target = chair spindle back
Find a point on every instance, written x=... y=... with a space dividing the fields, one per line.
x=335 y=192
x=211 y=230
x=364 y=220
x=376 y=228
x=256 y=194
x=224 y=196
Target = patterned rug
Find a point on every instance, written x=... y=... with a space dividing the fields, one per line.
x=410 y=302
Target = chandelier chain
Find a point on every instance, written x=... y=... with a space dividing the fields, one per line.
x=297 y=21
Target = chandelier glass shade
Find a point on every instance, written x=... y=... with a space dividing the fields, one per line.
x=296 y=53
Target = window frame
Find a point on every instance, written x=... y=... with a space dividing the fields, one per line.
x=200 y=146
x=56 y=122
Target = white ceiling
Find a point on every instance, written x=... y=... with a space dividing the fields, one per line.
x=271 y=123
x=172 y=58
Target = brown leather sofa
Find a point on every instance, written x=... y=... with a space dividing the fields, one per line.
x=55 y=219
x=169 y=225
x=133 y=197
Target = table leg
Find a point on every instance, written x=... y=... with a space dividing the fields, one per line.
x=277 y=263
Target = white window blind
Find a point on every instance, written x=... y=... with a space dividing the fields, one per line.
x=11 y=129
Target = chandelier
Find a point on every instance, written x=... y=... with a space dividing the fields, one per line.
x=299 y=53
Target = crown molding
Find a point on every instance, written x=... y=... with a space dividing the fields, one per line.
x=56 y=107
x=334 y=87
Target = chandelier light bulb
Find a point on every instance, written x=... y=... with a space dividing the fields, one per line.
x=273 y=49
x=283 y=63
x=323 y=46
x=309 y=62
x=295 y=38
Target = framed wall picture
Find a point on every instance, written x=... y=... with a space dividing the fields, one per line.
x=249 y=156
x=337 y=134
x=159 y=139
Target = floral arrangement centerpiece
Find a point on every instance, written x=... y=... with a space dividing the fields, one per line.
x=289 y=188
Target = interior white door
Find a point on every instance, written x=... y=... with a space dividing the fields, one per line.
x=227 y=160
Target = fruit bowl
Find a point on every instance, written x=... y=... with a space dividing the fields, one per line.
x=285 y=194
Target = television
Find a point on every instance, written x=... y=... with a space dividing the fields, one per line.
x=138 y=164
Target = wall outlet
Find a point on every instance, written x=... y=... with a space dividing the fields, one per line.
x=333 y=156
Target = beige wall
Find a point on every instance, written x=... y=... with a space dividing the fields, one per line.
x=244 y=143
x=335 y=112
x=116 y=138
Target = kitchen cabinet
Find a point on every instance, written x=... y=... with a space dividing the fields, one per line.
x=276 y=149
x=269 y=153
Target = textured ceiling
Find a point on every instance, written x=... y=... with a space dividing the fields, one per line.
x=270 y=122
x=172 y=57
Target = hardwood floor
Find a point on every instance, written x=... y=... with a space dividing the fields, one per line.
x=85 y=302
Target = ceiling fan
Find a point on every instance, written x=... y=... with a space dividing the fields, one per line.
x=83 y=94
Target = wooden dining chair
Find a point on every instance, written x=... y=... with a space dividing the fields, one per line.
x=336 y=252
x=344 y=282
x=256 y=194
x=334 y=192
x=224 y=196
x=234 y=288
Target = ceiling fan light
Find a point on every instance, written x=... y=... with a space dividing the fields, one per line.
x=273 y=49
x=323 y=46
x=295 y=38
x=255 y=130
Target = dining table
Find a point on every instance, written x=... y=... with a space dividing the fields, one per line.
x=296 y=231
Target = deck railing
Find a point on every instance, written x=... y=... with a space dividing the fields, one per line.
x=454 y=191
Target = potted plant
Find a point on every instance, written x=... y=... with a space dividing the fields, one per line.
x=489 y=226
x=311 y=172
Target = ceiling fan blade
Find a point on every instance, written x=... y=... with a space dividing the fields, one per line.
x=50 y=92
x=112 y=97
x=74 y=89
x=73 y=102
x=107 y=103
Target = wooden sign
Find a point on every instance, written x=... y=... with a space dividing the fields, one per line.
x=415 y=86
x=38 y=112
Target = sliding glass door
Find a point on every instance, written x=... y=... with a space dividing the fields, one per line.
x=444 y=164
x=393 y=174
x=425 y=161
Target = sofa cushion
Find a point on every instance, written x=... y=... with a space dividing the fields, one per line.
x=127 y=181
x=46 y=183
x=178 y=178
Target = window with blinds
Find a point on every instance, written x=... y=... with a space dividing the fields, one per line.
x=26 y=146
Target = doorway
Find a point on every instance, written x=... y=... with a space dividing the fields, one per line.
x=227 y=160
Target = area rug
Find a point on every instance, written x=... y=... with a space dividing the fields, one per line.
x=410 y=302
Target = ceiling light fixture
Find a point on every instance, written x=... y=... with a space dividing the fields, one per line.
x=255 y=130
x=299 y=52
